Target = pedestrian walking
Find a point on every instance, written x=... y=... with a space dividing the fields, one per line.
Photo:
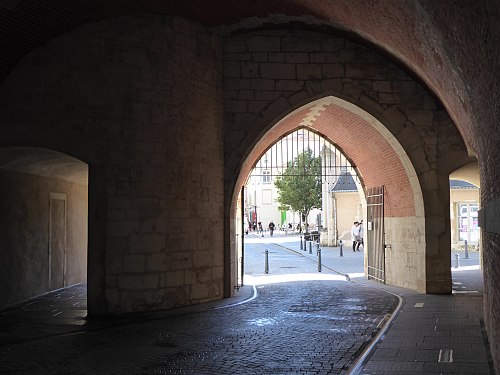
x=359 y=239
x=355 y=235
x=271 y=228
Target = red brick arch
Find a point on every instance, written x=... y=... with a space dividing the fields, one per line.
x=374 y=156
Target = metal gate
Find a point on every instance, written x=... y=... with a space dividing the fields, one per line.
x=300 y=155
x=375 y=233
x=285 y=152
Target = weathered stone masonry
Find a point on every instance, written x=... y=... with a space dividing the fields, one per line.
x=56 y=94
x=270 y=73
x=139 y=100
x=139 y=106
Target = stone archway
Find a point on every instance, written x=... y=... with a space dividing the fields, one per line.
x=380 y=160
x=287 y=70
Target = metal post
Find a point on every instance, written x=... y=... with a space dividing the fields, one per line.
x=266 y=266
x=466 y=250
x=305 y=244
x=457 y=260
x=319 y=259
x=341 y=252
x=310 y=247
x=301 y=247
x=317 y=246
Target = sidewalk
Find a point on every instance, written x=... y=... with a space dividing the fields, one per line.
x=431 y=334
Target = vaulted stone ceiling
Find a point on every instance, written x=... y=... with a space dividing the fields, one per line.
x=439 y=43
x=45 y=163
x=26 y=24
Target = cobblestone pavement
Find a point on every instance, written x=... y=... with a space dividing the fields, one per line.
x=59 y=312
x=300 y=327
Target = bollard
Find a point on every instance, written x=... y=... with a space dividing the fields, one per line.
x=301 y=248
x=341 y=252
x=305 y=244
x=466 y=250
x=266 y=265
x=310 y=247
x=319 y=259
x=457 y=260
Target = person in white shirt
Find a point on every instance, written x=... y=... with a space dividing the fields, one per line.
x=359 y=239
x=355 y=235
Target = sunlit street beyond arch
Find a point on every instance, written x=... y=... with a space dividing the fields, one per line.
x=289 y=261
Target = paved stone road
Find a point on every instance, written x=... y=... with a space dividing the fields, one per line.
x=301 y=327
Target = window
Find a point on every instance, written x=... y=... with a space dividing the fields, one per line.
x=266 y=177
x=468 y=227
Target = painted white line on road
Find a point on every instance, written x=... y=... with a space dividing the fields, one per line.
x=465 y=268
x=356 y=275
x=251 y=298
x=274 y=279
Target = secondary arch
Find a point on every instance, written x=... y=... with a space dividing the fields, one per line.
x=379 y=160
x=45 y=210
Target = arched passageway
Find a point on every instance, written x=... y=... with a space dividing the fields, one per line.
x=380 y=160
x=383 y=119
x=155 y=209
x=44 y=211
x=135 y=94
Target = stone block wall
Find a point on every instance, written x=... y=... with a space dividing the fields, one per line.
x=491 y=259
x=270 y=73
x=164 y=179
x=489 y=221
x=405 y=254
x=46 y=106
x=138 y=99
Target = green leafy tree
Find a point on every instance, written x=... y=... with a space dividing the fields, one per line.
x=299 y=186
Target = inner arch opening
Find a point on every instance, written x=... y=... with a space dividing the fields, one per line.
x=465 y=203
x=380 y=161
x=303 y=157
x=44 y=208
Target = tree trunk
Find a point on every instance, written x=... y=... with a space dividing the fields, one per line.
x=306 y=214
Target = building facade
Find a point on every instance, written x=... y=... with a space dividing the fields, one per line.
x=345 y=204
